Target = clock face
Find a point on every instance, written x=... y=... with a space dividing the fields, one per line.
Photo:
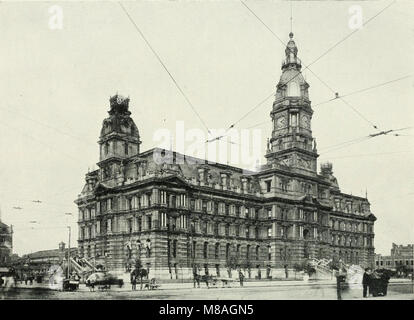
x=305 y=121
x=281 y=122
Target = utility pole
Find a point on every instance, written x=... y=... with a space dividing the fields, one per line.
x=68 y=273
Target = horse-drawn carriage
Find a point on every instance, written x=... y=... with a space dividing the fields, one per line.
x=70 y=285
x=213 y=281
x=103 y=280
x=379 y=282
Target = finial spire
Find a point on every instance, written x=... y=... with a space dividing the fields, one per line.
x=291 y=18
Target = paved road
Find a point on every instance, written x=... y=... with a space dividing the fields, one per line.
x=297 y=292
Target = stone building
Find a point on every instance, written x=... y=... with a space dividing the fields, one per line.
x=400 y=255
x=6 y=243
x=177 y=213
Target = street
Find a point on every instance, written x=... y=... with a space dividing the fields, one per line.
x=396 y=291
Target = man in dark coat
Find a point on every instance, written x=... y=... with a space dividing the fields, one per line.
x=366 y=279
x=241 y=278
x=340 y=280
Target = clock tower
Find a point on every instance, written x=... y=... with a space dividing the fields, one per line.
x=292 y=144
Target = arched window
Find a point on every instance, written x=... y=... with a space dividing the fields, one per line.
x=217 y=251
x=293 y=89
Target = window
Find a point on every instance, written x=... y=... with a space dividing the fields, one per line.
x=205 y=250
x=163 y=217
x=163 y=197
x=217 y=251
x=139 y=223
x=269 y=232
x=209 y=206
x=209 y=228
x=227 y=250
x=183 y=222
x=182 y=200
x=198 y=205
x=269 y=213
x=129 y=225
x=252 y=213
x=126 y=148
x=221 y=208
x=149 y=222
x=268 y=185
x=257 y=252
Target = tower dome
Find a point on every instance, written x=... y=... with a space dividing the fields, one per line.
x=119 y=134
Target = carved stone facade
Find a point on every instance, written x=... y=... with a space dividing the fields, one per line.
x=177 y=213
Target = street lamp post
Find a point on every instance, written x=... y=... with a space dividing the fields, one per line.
x=69 y=234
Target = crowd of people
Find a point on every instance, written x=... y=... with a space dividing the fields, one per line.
x=374 y=282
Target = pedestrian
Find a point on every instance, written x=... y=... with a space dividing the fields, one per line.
x=286 y=271
x=340 y=279
x=196 y=279
x=366 y=279
x=241 y=278
x=133 y=280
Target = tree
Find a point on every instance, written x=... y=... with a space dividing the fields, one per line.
x=139 y=271
x=298 y=268
x=231 y=263
x=247 y=265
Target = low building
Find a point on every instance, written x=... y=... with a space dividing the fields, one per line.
x=400 y=256
x=44 y=259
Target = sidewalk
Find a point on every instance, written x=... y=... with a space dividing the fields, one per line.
x=190 y=285
x=235 y=284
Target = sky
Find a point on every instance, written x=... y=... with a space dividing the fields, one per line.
x=55 y=85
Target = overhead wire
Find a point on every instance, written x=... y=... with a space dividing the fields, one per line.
x=163 y=65
x=325 y=53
